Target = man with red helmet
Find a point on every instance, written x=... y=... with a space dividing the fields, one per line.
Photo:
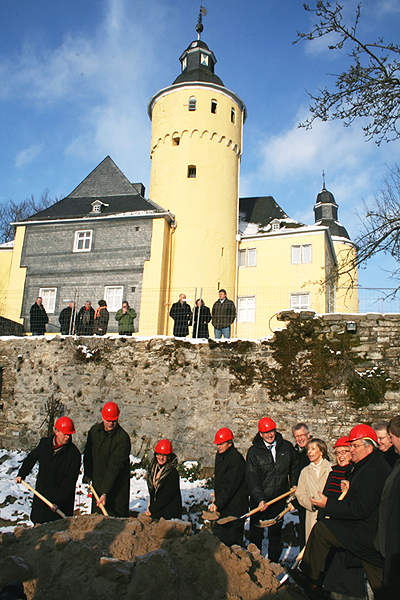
x=271 y=469
x=350 y=523
x=106 y=463
x=59 y=464
x=231 y=497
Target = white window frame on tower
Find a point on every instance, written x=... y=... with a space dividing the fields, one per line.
x=192 y=103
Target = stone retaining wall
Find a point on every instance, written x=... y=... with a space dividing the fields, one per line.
x=185 y=391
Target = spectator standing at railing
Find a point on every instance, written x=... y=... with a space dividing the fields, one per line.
x=101 y=317
x=181 y=313
x=125 y=317
x=84 y=320
x=38 y=318
x=67 y=319
x=223 y=315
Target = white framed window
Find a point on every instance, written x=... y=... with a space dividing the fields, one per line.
x=246 y=309
x=300 y=301
x=192 y=103
x=248 y=257
x=242 y=258
x=275 y=226
x=83 y=240
x=48 y=296
x=113 y=296
x=301 y=254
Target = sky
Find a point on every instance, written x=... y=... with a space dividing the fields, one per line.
x=76 y=78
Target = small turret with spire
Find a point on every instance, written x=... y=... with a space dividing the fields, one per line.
x=326 y=212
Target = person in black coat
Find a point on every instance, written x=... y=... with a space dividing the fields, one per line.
x=182 y=315
x=342 y=576
x=84 y=320
x=231 y=497
x=67 y=319
x=350 y=523
x=106 y=463
x=101 y=318
x=201 y=319
x=163 y=484
x=59 y=465
x=385 y=443
x=301 y=436
x=388 y=539
x=271 y=469
x=38 y=318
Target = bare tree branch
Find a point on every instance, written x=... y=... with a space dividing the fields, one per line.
x=369 y=88
x=12 y=212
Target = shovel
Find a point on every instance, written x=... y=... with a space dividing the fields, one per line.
x=39 y=495
x=282 y=577
x=252 y=512
x=210 y=516
x=270 y=522
x=95 y=494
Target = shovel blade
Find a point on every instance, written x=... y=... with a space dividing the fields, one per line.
x=225 y=520
x=267 y=523
x=210 y=516
x=282 y=577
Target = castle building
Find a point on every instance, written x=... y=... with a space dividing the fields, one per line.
x=193 y=235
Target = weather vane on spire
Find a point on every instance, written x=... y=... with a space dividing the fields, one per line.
x=200 y=26
x=323 y=179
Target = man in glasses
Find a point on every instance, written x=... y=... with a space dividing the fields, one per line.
x=301 y=436
x=352 y=521
x=385 y=443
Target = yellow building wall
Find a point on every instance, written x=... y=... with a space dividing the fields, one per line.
x=205 y=207
x=347 y=292
x=154 y=301
x=275 y=278
x=12 y=280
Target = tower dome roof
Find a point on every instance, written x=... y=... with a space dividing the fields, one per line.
x=326 y=213
x=198 y=64
x=325 y=197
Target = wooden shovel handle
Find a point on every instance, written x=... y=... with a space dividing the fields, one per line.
x=281 y=496
x=95 y=494
x=39 y=495
x=342 y=495
x=299 y=558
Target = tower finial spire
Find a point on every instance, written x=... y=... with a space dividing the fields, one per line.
x=200 y=26
x=323 y=180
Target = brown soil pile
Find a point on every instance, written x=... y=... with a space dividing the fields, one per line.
x=99 y=558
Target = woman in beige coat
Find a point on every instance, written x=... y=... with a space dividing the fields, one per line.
x=312 y=479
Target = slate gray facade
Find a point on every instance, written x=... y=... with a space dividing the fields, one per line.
x=118 y=233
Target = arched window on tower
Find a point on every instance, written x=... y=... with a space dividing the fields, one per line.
x=233 y=115
x=192 y=103
x=191 y=172
x=214 y=107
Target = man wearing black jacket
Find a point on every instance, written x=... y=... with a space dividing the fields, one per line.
x=231 y=497
x=351 y=523
x=59 y=464
x=271 y=469
x=106 y=463
x=301 y=436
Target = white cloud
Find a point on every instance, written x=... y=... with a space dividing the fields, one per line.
x=26 y=156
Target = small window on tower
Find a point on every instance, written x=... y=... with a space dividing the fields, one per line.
x=184 y=63
x=175 y=141
x=192 y=103
x=214 y=107
x=233 y=116
x=191 y=171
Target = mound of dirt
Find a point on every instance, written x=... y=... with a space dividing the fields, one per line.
x=100 y=558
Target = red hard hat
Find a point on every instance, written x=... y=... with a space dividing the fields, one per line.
x=65 y=425
x=362 y=432
x=110 y=411
x=343 y=441
x=266 y=424
x=223 y=435
x=163 y=447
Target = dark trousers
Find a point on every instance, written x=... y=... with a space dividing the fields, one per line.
x=319 y=543
x=274 y=532
x=230 y=533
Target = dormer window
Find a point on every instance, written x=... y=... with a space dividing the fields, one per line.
x=275 y=226
x=184 y=63
x=192 y=103
x=96 y=206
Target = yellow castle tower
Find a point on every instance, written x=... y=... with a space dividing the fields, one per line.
x=196 y=149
